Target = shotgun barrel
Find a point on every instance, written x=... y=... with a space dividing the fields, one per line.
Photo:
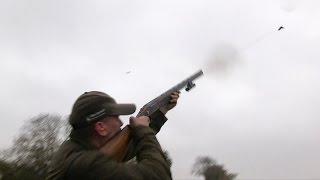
x=118 y=146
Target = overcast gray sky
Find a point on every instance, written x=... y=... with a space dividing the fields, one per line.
x=259 y=116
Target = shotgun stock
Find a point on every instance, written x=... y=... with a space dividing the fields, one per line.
x=118 y=146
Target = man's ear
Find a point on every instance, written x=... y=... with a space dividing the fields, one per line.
x=101 y=128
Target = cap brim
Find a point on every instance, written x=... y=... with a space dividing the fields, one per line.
x=120 y=109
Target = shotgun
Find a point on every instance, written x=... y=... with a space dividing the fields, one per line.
x=118 y=146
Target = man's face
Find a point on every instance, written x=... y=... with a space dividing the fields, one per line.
x=109 y=126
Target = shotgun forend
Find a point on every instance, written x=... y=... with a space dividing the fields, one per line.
x=164 y=98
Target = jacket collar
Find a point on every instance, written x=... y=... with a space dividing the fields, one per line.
x=85 y=144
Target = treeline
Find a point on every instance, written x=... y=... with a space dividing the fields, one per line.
x=208 y=168
x=32 y=151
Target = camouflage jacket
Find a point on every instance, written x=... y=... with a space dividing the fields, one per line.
x=76 y=160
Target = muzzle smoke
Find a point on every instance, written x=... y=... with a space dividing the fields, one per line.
x=223 y=60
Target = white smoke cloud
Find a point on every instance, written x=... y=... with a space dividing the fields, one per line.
x=225 y=57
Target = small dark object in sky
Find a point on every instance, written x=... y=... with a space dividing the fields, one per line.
x=128 y=72
x=281 y=27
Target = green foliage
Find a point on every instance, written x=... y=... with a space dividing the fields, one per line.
x=21 y=173
x=4 y=168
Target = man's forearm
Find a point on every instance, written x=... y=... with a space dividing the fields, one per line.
x=150 y=154
x=157 y=121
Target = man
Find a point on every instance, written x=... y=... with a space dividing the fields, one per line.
x=95 y=120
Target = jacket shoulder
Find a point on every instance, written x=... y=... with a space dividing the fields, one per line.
x=62 y=160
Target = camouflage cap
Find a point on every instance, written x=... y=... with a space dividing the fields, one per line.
x=93 y=106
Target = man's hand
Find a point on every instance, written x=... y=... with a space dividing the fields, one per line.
x=172 y=103
x=139 y=121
